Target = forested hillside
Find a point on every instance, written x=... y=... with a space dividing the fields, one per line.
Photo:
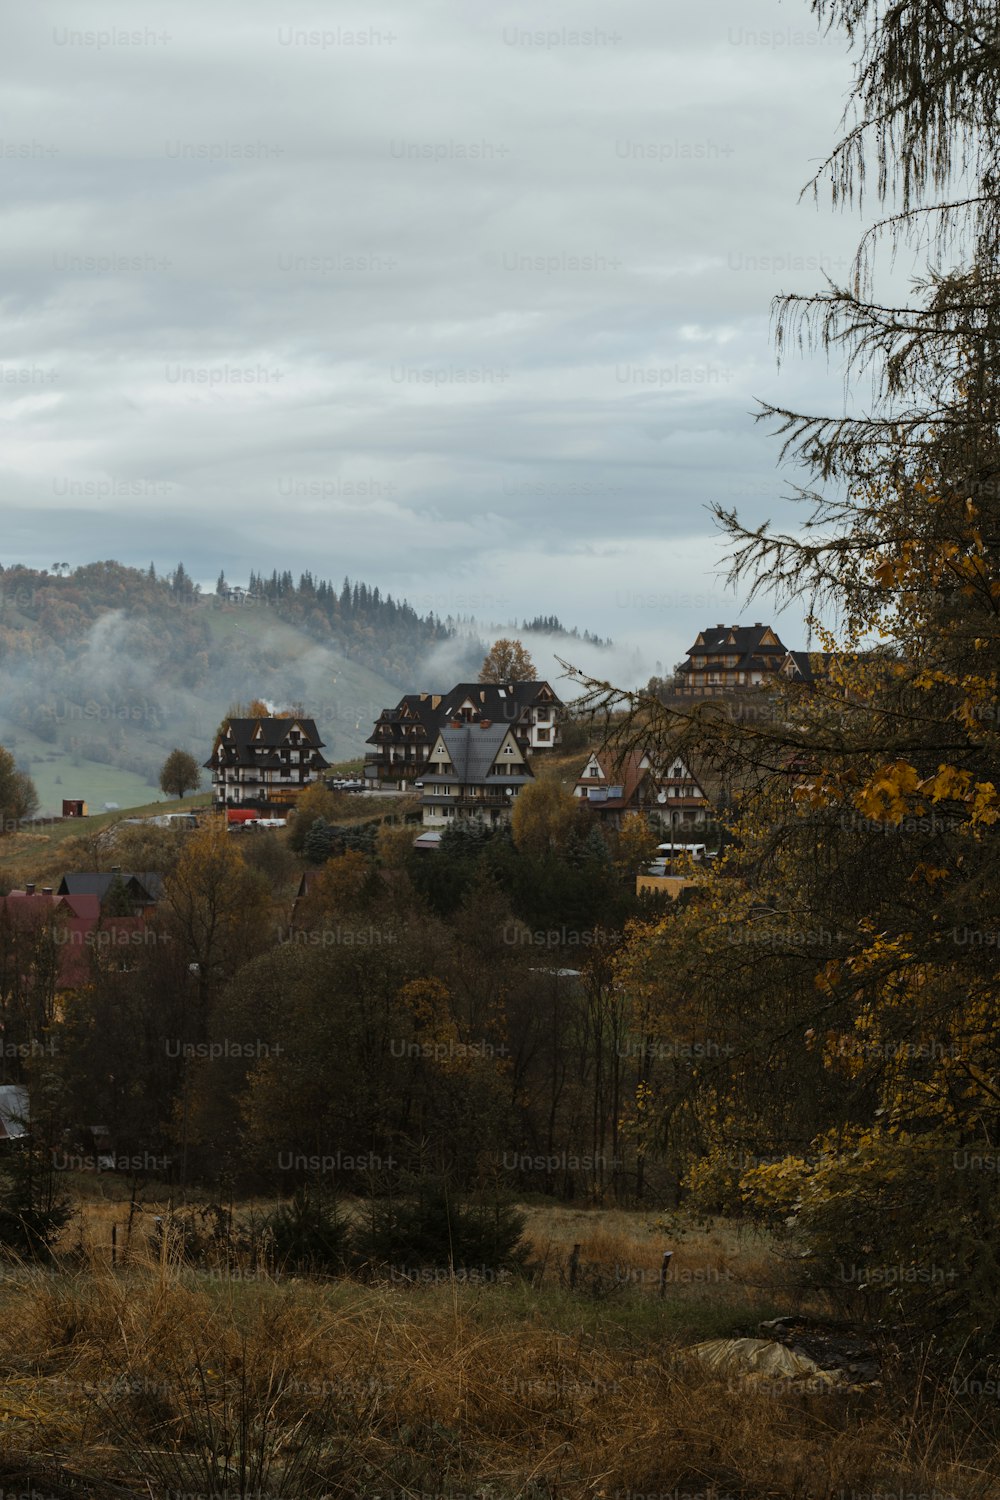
x=104 y=671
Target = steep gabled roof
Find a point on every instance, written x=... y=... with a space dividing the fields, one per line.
x=416 y=714
x=498 y=700
x=624 y=774
x=807 y=666
x=241 y=739
x=422 y=714
x=473 y=750
x=757 y=647
x=145 y=887
x=271 y=732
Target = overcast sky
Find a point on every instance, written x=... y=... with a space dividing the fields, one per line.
x=467 y=300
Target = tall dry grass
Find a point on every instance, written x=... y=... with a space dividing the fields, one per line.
x=157 y=1379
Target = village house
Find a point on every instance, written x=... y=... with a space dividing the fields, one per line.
x=670 y=796
x=806 y=667
x=731 y=657
x=72 y=925
x=142 y=890
x=264 y=763
x=474 y=770
x=404 y=736
x=681 y=800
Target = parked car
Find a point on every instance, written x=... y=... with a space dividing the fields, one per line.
x=672 y=851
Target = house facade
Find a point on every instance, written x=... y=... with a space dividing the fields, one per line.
x=404 y=736
x=731 y=658
x=681 y=801
x=474 y=770
x=806 y=667
x=264 y=763
x=669 y=795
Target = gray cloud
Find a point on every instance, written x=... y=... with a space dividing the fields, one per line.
x=455 y=299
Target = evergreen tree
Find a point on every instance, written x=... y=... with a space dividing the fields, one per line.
x=318 y=843
x=117 y=902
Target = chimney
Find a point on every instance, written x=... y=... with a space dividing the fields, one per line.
x=29 y=890
x=720 y=627
x=758 y=625
x=485 y=723
x=435 y=700
x=46 y=890
x=116 y=869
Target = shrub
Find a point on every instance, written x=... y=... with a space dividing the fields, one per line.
x=32 y=1213
x=436 y=1228
x=308 y=1234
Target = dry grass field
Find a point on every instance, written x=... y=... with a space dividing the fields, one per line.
x=157 y=1379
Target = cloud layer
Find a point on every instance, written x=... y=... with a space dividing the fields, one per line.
x=468 y=301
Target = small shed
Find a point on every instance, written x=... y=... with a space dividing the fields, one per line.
x=73 y=808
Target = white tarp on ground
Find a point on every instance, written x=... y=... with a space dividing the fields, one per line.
x=764 y=1361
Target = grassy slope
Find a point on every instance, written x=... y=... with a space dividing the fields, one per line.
x=32 y=853
x=89 y=779
x=355 y=693
x=350 y=703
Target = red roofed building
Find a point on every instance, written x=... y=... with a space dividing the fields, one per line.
x=59 y=932
x=616 y=785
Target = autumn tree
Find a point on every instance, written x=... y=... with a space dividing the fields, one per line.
x=545 y=814
x=636 y=844
x=860 y=1105
x=507 y=661
x=179 y=773
x=18 y=798
x=315 y=801
x=216 y=907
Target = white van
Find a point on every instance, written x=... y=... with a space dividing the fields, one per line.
x=671 y=851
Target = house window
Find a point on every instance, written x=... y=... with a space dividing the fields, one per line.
x=543 y=735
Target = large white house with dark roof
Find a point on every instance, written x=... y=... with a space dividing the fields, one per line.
x=264 y=763
x=404 y=736
x=473 y=770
